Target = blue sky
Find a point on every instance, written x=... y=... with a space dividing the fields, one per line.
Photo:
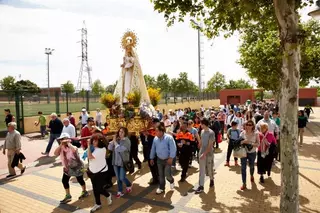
x=27 y=27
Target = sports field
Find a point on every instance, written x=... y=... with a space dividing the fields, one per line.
x=32 y=109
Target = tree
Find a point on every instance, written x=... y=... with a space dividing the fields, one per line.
x=260 y=55
x=110 y=88
x=163 y=82
x=82 y=93
x=216 y=83
x=68 y=87
x=8 y=83
x=27 y=86
x=97 y=87
x=238 y=84
x=150 y=81
x=231 y=15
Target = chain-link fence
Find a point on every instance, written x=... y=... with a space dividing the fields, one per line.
x=30 y=104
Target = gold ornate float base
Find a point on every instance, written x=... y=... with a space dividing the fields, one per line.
x=136 y=124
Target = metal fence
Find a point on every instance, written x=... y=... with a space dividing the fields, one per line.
x=30 y=104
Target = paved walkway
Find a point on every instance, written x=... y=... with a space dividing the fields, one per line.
x=40 y=189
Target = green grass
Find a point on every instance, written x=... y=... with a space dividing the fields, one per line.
x=32 y=109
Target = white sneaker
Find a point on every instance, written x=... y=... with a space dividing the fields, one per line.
x=95 y=208
x=159 y=191
x=109 y=200
x=172 y=186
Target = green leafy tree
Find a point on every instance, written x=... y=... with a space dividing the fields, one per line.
x=97 y=87
x=150 y=81
x=216 y=83
x=82 y=93
x=68 y=87
x=27 y=86
x=163 y=82
x=238 y=84
x=228 y=16
x=110 y=88
x=8 y=83
x=260 y=55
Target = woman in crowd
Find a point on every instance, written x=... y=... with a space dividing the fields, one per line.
x=266 y=151
x=167 y=122
x=239 y=120
x=121 y=153
x=72 y=166
x=233 y=135
x=251 y=142
x=98 y=168
x=302 y=123
x=249 y=116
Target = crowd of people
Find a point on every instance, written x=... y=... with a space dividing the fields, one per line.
x=181 y=136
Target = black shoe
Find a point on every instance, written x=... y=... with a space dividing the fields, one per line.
x=23 y=170
x=10 y=176
x=269 y=173
x=261 y=179
x=145 y=160
x=199 y=190
x=211 y=183
x=139 y=166
x=182 y=180
x=107 y=186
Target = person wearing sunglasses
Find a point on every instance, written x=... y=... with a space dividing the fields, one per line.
x=251 y=142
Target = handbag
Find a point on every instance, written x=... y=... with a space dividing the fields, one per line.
x=127 y=165
x=241 y=152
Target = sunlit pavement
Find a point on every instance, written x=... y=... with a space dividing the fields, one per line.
x=40 y=188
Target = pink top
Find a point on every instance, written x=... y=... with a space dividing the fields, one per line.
x=270 y=138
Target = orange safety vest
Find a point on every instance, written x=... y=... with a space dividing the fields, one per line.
x=187 y=136
x=105 y=131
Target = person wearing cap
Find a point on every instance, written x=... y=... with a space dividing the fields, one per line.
x=55 y=127
x=72 y=166
x=68 y=128
x=84 y=117
x=12 y=144
x=86 y=131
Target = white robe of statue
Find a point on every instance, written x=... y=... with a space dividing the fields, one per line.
x=131 y=78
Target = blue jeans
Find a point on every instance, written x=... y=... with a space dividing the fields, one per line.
x=52 y=138
x=43 y=130
x=121 y=177
x=251 y=157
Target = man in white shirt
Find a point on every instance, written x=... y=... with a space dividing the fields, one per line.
x=172 y=117
x=272 y=126
x=84 y=117
x=98 y=118
x=230 y=118
x=68 y=128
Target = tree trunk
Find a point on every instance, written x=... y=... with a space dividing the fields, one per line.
x=287 y=18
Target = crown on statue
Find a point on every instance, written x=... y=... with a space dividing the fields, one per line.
x=129 y=39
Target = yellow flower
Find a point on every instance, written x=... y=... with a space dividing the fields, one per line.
x=108 y=99
x=154 y=95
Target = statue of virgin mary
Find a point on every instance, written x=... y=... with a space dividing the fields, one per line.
x=131 y=78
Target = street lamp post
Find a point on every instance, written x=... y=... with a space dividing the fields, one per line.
x=199 y=53
x=48 y=52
